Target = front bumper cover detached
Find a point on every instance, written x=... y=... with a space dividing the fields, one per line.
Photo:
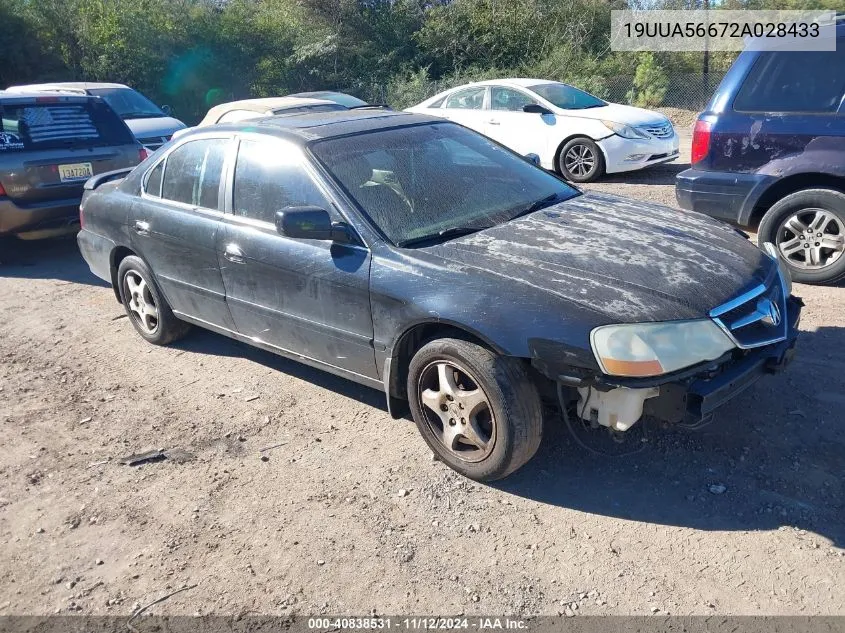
x=693 y=399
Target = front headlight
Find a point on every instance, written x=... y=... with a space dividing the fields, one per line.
x=772 y=251
x=652 y=349
x=625 y=131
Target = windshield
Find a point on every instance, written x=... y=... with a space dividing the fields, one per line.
x=567 y=97
x=436 y=181
x=127 y=103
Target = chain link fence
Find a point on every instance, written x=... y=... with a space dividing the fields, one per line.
x=685 y=91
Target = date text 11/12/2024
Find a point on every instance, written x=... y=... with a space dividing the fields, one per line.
x=480 y=623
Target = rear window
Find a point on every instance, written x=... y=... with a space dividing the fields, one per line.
x=794 y=81
x=35 y=126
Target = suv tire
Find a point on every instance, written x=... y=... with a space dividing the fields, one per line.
x=478 y=411
x=808 y=227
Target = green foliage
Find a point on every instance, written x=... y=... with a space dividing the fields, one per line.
x=650 y=82
x=192 y=54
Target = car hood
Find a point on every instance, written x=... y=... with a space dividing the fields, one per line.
x=618 y=113
x=154 y=126
x=627 y=260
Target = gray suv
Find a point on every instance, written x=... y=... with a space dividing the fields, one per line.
x=49 y=146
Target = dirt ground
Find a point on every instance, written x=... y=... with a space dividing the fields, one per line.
x=349 y=514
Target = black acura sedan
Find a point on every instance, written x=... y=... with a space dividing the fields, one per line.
x=413 y=255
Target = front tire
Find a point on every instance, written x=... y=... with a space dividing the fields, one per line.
x=146 y=307
x=581 y=160
x=479 y=412
x=808 y=228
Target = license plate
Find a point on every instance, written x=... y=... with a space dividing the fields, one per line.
x=75 y=171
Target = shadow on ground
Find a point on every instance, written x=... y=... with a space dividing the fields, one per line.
x=658 y=175
x=201 y=341
x=777 y=449
x=57 y=258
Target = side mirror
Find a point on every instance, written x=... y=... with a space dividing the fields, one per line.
x=167 y=110
x=532 y=158
x=536 y=108
x=311 y=223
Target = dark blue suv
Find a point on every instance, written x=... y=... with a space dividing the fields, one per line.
x=769 y=152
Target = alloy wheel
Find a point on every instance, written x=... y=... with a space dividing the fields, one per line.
x=811 y=239
x=457 y=411
x=142 y=305
x=579 y=160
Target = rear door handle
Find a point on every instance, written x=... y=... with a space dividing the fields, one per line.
x=493 y=122
x=142 y=228
x=234 y=254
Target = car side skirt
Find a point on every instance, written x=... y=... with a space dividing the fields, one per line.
x=313 y=362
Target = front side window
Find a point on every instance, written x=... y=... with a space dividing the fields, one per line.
x=435 y=181
x=566 y=97
x=469 y=99
x=794 y=81
x=193 y=171
x=270 y=178
x=509 y=99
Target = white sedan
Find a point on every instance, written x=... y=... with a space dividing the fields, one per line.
x=578 y=135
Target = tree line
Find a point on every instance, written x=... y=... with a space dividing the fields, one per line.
x=192 y=54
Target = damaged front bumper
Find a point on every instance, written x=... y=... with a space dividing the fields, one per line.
x=690 y=396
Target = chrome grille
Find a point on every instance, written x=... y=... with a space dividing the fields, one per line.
x=660 y=131
x=757 y=317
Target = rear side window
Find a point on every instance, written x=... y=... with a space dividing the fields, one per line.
x=469 y=99
x=60 y=125
x=153 y=186
x=192 y=173
x=794 y=81
x=267 y=181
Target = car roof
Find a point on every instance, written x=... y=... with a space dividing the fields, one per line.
x=321 y=93
x=66 y=85
x=304 y=128
x=13 y=96
x=264 y=104
x=520 y=82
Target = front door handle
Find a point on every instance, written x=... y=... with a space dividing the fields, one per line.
x=493 y=122
x=234 y=254
x=142 y=228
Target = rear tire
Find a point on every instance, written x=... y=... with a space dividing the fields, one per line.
x=808 y=227
x=146 y=307
x=479 y=412
x=581 y=160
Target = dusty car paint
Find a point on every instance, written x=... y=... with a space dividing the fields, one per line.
x=532 y=288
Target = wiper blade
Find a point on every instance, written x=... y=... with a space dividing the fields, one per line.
x=454 y=231
x=539 y=204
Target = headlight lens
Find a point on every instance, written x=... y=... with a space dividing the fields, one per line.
x=652 y=349
x=772 y=251
x=625 y=131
